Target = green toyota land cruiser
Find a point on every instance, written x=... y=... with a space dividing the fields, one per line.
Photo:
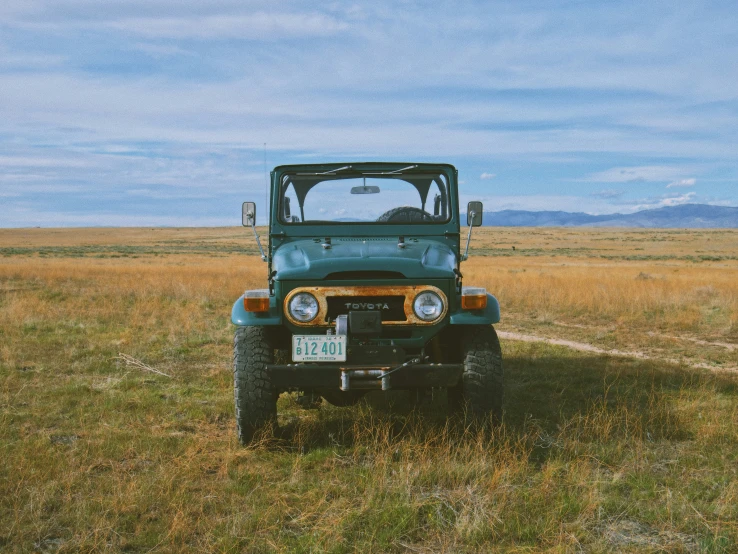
x=364 y=292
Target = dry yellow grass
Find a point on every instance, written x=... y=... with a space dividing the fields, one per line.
x=642 y=289
x=596 y=453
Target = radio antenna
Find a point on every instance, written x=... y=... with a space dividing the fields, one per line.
x=266 y=183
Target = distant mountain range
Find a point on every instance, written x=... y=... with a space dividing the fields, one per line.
x=686 y=215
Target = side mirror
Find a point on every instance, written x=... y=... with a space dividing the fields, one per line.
x=248 y=219
x=287 y=212
x=474 y=211
x=248 y=214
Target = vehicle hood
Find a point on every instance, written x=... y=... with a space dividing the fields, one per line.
x=307 y=259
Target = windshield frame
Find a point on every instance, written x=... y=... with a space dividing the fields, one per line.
x=437 y=176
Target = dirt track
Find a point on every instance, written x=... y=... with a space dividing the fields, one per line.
x=584 y=347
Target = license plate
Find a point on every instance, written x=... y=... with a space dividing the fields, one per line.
x=319 y=348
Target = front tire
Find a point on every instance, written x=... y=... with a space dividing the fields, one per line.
x=481 y=387
x=255 y=397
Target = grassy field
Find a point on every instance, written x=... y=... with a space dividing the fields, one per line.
x=597 y=453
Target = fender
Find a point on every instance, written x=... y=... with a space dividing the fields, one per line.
x=488 y=316
x=239 y=315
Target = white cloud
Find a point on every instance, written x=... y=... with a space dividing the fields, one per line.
x=681 y=183
x=259 y=25
x=663 y=201
x=31 y=161
x=676 y=200
x=486 y=176
x=171 y=194
x=282 y=112
x=540 y=202
x=29 y=61
x=590 y=205
x=160 y=51
x=653 y=173
x=33 y=218
x=608 y=193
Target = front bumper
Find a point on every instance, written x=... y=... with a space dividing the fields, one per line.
x=366 y=377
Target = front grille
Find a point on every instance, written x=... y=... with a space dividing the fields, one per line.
x=392 y=308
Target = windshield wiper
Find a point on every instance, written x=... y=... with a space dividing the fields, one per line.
x=400 y=170
x=329 y=172
x=393 y=172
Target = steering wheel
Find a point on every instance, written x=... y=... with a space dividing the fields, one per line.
x=404 y=214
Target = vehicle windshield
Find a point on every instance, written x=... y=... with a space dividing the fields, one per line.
x=370 y=198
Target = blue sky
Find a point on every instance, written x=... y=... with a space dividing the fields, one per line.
x=155 y=112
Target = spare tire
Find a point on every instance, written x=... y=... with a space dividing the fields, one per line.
x=404 y=214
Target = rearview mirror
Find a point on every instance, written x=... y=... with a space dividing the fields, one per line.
x=474 y=211
x=371 y=189
x=248 y=214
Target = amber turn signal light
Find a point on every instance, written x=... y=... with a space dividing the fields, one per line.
x=473 y=298
x=256 y=300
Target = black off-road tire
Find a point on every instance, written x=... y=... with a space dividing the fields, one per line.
x=256 y=398
x=481 y=388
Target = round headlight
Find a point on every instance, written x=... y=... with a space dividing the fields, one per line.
x=303 y=307
x=428 y=306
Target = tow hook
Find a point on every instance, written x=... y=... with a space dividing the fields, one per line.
x=385 y=374
x=309 y=400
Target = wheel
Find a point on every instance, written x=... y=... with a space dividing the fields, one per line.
x=255 y=397
x=404 y=214
x=342 y=398
x=481 y=387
